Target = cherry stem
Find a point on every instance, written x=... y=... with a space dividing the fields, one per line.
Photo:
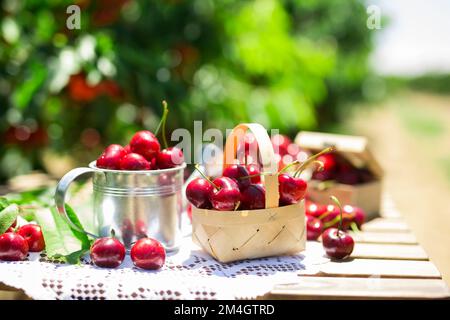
x=113 y=233
x=295 y=163
x=312 y=159
x=205 y=177
x=254 y=175
x=338 y=203
x=162 y=124
x=354 y=227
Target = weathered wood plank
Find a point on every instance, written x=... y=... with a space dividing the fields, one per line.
x=361 y=288
x=385 y=237
x=374 y=268
x=379 y=251
x=386 y=224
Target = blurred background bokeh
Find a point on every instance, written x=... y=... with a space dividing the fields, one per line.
x=288 y=64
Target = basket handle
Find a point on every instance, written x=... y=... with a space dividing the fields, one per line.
x=267 y=154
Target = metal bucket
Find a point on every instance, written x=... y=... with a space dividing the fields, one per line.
x=134 y=204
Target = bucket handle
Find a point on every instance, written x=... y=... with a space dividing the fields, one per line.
x=61 y=191
x=267 y=154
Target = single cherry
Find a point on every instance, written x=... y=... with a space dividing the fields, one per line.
x=107 y=252
x=329 y=162
x=314 y=228
x=134 y=161
x=148 y=253
x=254 y=172
x=337 y=243
x=146 y=144
x=291 y=189
x=253 y=197
x=13 y=247
x=169 y=158
x=225 y=196
x=357 y=215
x=238 y=173
x=314 y=209
x=197 y=192
x=32 y=233
x=110 y=158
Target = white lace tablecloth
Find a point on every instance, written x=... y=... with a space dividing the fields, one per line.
x=188 y=274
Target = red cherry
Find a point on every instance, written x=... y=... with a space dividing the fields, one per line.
x=329 y=167
x=107 y=252
x=146 y=144
x=32 y=233
x=331 y=214
x=337 y=243
x=227 y=196
x=141 y=228
x=110 y=158
x=291 y=189
x=127 y=149
x=148 y=253
x=253 y=197
x=347 y=174
x=314 y=228
x=281 y=143
x=197 y=192
x=314 y=209
x=134 y=161
x=253 y=170
x=237 y=172
x=13 y=247
x=169 y=158
x=356 y=214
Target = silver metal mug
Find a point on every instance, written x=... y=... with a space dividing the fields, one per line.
x=134 y=204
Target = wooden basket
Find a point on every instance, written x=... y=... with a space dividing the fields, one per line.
x=245 y=234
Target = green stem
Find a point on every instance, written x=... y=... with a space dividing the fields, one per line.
x=206 y=178
x=354 y=227
x=162 y=124
x=338 y=203
x=312 y=159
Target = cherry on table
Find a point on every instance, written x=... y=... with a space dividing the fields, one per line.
x=13 y=247
x=169 y=158
x=110 y=158
x=146 y=144
x=314 y=228
x=337 y=243
x=107 y=252
x=357 y=215
x=134 y=161
x=225 y=195
x=253 y=197
x=197 y=192
x=32 y=233
x=148 y=254
x=314 y=209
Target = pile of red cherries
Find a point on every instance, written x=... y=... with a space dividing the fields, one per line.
x=142 y=153
x=16 y=242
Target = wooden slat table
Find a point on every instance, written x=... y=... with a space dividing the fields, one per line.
x=387 y=263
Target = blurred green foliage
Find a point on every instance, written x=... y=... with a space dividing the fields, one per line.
x=287 y=64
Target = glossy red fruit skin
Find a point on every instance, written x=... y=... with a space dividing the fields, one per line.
x=253 y=170
x=32 y=233
x=332 y=212
x=169 y=158
x=134 y=161
x=347 y=174
x=13 y=247
x=146 y=144
x=357 y=214
x=253 y=197
x=197 y=192
x=107 y=252
x=329 y=167
x=127 y=149
x=314 y=228
x=110 y=158
x=314 y=209
x=148 y=254
x=291 y=189
x=237 y=172
x=337 y=244
x=227 y=196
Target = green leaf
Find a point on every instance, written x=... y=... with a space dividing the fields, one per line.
x=3 y=203
x=7 y=217
x=62 y=241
